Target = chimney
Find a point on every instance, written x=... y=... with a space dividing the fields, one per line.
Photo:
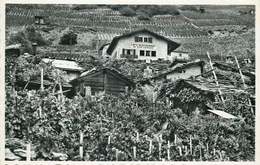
x=34 y=46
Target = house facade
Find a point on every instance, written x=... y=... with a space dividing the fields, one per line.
x=179 y=55
x=180 y=71
x=141 y=45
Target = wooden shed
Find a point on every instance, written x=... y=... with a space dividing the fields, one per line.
x=98 y=80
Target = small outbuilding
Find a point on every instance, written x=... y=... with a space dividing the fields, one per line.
x=99 y=80
x=180 y=71
x=195 y=94
x=40 y=20
x=72 y=68
x=13 y=51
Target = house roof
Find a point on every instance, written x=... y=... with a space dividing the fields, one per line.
x=180 y=66
x=64 y=64
x=171 y=44
x=102 y=47
x=177 y=67
x=227 y=67
x=106 y=69
x=200 y=84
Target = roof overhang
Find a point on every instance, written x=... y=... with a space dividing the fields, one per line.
x=171 y=44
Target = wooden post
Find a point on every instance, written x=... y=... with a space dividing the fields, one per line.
x=180 y=151
x=190 y=145
x=200 y=154
x=240 y=72
x=215 y=78
x=81 y=145
x=40 y=111
x=28 y=151
x=105 y=81
x=116 y=154
x=150 y=146
x=207 y=147
x=134 y=151
x=168 y=150
x=160 y=150
x=137 y=136
x=175 y=139
x=42 y=87
x=109 y=140
x=244 y=84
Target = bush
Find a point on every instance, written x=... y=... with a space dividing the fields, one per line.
x=69 y=38
x=26 y=38
x=35 y=36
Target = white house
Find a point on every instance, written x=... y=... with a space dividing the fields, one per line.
x=141 y=45
x=180 y=71
x=179 y=55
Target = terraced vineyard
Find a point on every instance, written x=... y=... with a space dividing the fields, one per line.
x=189 y=28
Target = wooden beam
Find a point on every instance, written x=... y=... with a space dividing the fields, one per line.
x=215 y=77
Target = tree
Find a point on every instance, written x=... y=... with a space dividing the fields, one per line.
x=69 y=38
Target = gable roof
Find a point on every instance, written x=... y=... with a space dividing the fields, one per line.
x=113 y=71
x=179 y=67
x=64 y=64
x=171 y=44
x=175 y=68
x=204 y=85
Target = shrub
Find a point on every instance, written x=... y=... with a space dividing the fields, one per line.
x=35 y=36
x=69 y=38
x=26 y=38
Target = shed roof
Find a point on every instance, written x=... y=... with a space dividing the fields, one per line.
x=106 y=69
x=171 y=44
x=64 y=64
x=223 y=114
x=14 y=46
x=227 y=67
x=200 y=84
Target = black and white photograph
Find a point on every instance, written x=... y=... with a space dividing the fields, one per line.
x=129 y=82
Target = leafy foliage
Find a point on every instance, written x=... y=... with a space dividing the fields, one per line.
x=26 y=37
x=69 y=38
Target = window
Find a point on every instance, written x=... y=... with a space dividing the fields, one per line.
x=147 y=53
x=141 y=52
x=153 y=53
x=138 y=39
x=150 y=40
x=180 y=55
x=145 y=39
x=128 y=51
